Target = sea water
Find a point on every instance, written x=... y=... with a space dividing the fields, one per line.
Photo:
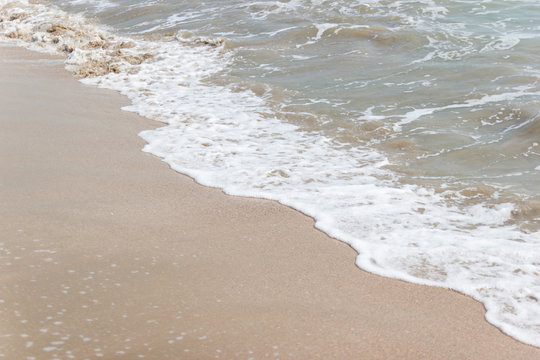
x=408 y=129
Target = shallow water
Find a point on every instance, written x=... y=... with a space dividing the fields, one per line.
x=409 y=129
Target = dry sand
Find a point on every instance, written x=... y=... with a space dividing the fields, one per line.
x=106 y=253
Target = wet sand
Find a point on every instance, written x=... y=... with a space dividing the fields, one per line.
x=106 y=253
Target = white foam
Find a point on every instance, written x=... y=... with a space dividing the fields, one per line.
x=516 y=93
x=98 y=4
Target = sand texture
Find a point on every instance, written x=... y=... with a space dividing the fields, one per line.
x=106 y=253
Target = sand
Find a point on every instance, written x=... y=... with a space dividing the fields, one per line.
x=107 y=253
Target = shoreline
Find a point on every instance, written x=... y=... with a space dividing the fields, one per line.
x=104 y=244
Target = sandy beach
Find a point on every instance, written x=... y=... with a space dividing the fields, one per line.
x=106 y=253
